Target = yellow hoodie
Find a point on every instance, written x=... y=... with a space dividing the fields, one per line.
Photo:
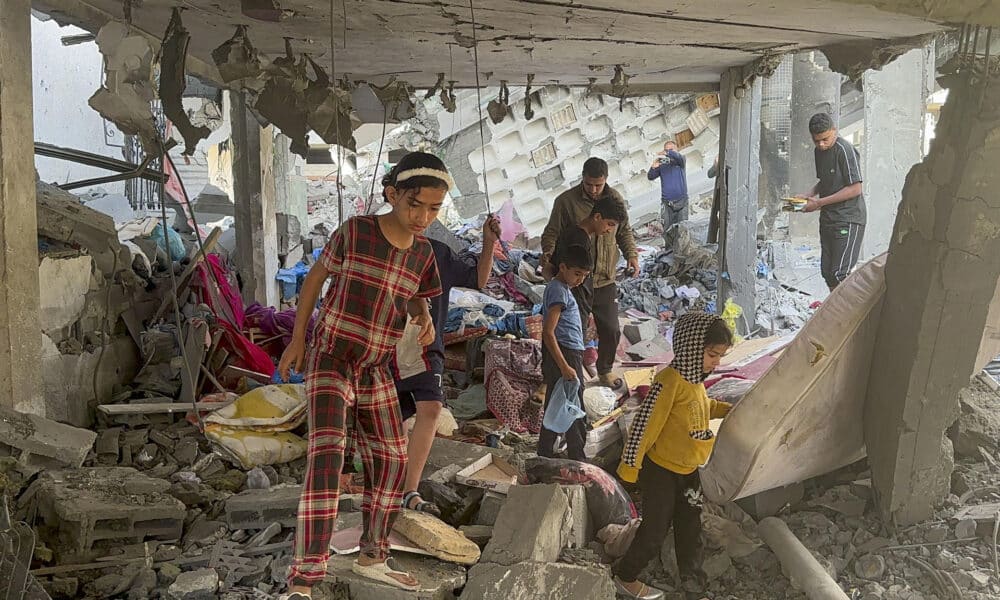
x=680 y=410
x=672 y=425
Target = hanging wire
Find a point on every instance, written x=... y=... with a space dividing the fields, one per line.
x=340 y=147
x=378 y=159
x=479 y=100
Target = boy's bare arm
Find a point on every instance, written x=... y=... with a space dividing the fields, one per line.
x=312 y=287
x=552 y=344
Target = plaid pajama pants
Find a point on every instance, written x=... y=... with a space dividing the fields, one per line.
x=361 y=402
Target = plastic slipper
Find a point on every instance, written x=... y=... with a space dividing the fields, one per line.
x=421 y=506
x=645 y=592
x=383 y=572
x=609 y=380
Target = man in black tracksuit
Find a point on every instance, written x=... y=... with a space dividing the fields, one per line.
x=838 y=197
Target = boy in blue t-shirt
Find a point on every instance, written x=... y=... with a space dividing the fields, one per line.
x=562 y=344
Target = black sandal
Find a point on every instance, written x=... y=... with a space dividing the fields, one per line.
x=422 y=506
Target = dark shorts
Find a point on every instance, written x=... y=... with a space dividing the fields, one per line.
x=422 y=387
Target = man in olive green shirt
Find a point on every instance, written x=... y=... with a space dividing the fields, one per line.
x=599 y=295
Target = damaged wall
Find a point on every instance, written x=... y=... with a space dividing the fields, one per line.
x=63 y=78
x=80 y=257
x=531 y=161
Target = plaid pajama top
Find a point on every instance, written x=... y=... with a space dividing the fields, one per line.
x=364 y=313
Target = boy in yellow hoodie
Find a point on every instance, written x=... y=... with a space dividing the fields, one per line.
x=669 y=439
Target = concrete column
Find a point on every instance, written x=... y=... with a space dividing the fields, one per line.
x=290 y=202
x=20 y=332
x=895 y=100
x=254 y=199
x=740 y=161
x=773 y=184
x=814 y=89
x=941 y=277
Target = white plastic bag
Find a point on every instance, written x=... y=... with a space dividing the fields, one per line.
x=599 y=401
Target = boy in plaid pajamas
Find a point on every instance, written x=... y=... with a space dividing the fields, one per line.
x=383 y=269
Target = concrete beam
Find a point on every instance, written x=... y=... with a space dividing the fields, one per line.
x=20 y=332
x=895 y=100
x=740 y=161
x=646 y=89
x=941 y=278
x=254 y=200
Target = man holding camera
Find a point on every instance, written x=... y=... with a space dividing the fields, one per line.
x=669 y=167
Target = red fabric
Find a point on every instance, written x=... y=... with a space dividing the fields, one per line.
x=244 y=353
x=214 y=288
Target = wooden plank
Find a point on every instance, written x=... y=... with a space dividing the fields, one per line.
x=157 y=408
x=237 y=372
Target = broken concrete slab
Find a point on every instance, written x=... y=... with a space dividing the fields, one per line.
x=480 y=534
x=532 y=526
x=61 y=217
x=436 y=537
x=536 y=580
x=43 y=442
x=257 y=509
x=581 y=526
x=489 y=508
x=645 y=350
x=82 y=509
x=641 y=331
x=438 y=580
x=445 y=453
x=195 y=585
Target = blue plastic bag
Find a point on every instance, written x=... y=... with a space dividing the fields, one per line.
x=563 y=406
x=174 y=241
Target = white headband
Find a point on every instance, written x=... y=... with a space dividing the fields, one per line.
x=426 y=172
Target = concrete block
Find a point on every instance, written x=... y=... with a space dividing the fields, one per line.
x=581 y=527
x=102 y=506
x=445 y=453
x=438 y=580
x=480 y=534
x=195 y=585
x=489 y=508
x=257 y=509
x=641 y=331
x=538 y=581
x=42 y=442
x=531 y=526
x=649 y=348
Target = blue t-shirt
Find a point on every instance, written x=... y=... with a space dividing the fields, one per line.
x=569 y=331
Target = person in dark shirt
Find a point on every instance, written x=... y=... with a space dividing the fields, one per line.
x=839 y=198
x=606 y=215
x=670 y=168
x=420 y=392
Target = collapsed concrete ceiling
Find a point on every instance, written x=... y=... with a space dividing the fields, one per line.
x=659 y=44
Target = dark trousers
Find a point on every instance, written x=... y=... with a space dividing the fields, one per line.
x=670 y=215
x=602 y=302
x=665 y=502
x=576 y=435
x=840 y=245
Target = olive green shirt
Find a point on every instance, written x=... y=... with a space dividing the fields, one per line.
x=573 y=206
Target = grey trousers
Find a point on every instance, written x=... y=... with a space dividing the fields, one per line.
x=670 y=216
